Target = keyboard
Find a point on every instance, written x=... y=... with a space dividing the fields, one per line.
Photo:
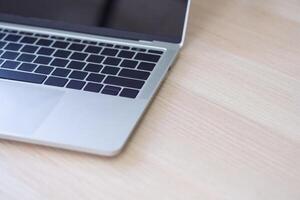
x=90 y=66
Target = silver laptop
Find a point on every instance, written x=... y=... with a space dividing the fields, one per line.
x=79 y=74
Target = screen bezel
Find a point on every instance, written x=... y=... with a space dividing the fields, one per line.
x=101 y=31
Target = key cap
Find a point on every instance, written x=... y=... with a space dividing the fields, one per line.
x=93 y=49
x=129 y=73
x=24 y=57
x=27 y=67
x=13 y=47
x=12 y=38
x=22 y=76
x=60 y=44
x=62 y=53
x=29 y=49
x=78 y=56
x=111 y=90
x=93 y=87
x=156 y=52
x=28 y=40
x=129 y=63
x=45 y=60
x=147 y=57
x=118 y=81
x=61 y=72
x=146 y=66
x=93 y=68
x=110 y=70
x=129 y=93
x=43 y=69
x=10 y=64
x=76 y=47
x=56 y=81
x=75 y=84
x=112 y=61
x=45 y=51
x=10 y=55
x=98 y=78
x=58 y=62
x=126 y=54
x=109 y=52
x=76 y=65
x=78 y=75
x=95 y=59
x=44 y=42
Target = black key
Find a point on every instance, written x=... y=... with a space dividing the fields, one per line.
x=93 y=87
x=129 y=63
x=60 y=44
x=29 y=49
x=45 y=51
x=56 y=81
x=1 y=52
x=44 y=42
x=44 y=60
x=12 y=38
x=79 y=56
x=10 y=31
x=155 y=52
x=42 y=35
x=62 y=53
x=2 y=44
x=27 y=67
x=146 y=66
x=26 y=57
x=22 y=76
x=129 y=73
x=13 y=47
x=76 y=65
x=1 y=61
x=58 y=62
x=95 y=59
x=111 y=90
x=138 y=49
x=93 y=49
x=126 y=54
x=112 y=80
x=93 y=68
x=10 y=55
x=110 y=70
x=89 y=42
x=73 y=40
x=129 y=93
x=147 y=57
x=98 y=78
x=25 y=33
x=61 y=72
x=109 y=52
x=112 y=61
x=78 y=75
x=74 y=84
x=43 y=69
x=28 y=40
x=10 y=64
x=122 y=47
x=77 y=47
x=2 y=35
x=57 y=37
x=105 y=44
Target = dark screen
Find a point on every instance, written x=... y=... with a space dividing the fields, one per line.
x=158 y=18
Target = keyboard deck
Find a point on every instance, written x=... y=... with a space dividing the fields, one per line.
x=90 y=66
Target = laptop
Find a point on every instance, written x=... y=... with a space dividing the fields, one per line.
x=79 y=74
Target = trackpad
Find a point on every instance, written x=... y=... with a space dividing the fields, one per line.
x=23 y=107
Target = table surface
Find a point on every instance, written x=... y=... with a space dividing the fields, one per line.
x=225 y=125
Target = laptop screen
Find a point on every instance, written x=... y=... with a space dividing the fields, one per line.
x=140 y=19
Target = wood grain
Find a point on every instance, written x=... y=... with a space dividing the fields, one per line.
x=225 y=125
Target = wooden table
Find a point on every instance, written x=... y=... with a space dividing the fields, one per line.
x=225 y=125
